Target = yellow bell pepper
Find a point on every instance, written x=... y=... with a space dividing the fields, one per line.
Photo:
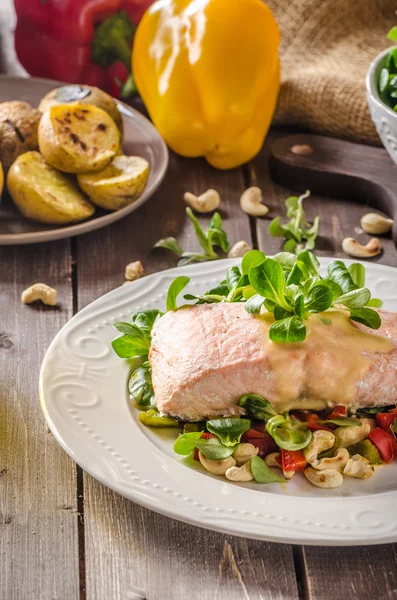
x=209 y=74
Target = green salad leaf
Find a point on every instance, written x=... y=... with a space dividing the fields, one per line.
x=343 y=422
x=289 y=329
x=174 y=290
x=257 y=406
x=287 y=434
x=262 y=473
x=140 y=386
x=229 y=430
x=211 y=448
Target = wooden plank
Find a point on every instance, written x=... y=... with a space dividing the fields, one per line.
x=361 y=572
x=38 y=508
x=339 y=218
x=127 y=547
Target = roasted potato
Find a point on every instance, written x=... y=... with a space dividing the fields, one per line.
x=118 y=184
x=45 y=195
x=77 y=138
x=82 y=94
x=18 y=130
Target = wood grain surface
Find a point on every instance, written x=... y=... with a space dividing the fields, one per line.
x=64 y=536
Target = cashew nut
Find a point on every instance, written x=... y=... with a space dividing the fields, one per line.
x=244 y=452
x=347 y=436
x=271 y=461
x=358 y=466
x=205 y=203
x=239 y=249
x=324 y=479
x=301 y=149
x=354 y=248
x=242 y=473
x=370 y=422
x=337 y=462
x=321 y=441
x=375 y=224
x=216 y=467
x=134 y=271
x=251 y=202
x=40 y=291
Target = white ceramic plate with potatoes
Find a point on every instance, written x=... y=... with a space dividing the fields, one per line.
x=140 y=139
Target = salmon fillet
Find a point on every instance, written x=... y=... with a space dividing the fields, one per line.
x=205 y=357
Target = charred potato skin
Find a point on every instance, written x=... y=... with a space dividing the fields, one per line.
x=95 y=97
x=45 y=195
x=18 y=130
x=66 y=148
x=106 y=190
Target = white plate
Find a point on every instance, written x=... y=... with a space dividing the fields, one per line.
x=83 y=387
x=140 y=138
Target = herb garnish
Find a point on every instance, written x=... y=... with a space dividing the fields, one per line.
x=291 y=288
x=214 y=235
x=300 y=234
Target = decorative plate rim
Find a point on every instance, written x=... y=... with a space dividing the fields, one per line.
x=80 y=417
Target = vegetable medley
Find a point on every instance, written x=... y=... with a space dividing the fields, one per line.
x=325 y=445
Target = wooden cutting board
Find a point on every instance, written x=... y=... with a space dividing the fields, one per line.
x=364 y=174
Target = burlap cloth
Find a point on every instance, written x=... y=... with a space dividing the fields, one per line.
x=326 y=48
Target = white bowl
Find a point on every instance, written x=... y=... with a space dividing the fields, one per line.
x=384 y=117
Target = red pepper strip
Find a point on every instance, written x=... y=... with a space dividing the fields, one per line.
x=293 y=460
x=338 y=411
x=265 y=446
x=385 y=420
x=205 y=436
x=383 y=443
x=253 y=434
x=313 y=424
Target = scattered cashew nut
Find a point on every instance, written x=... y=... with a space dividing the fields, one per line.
x=358 y=466
x=271 y=461
x=328 y=478
x=216 y=467
x=244 y=453
x=239 y=249
x=301 y=149
x=347 y=436
x=204 y=203
x=40 y=291
x=134 y=271
x=354 y=248
x=321 y=441
x=375 y=224
x=251 y=202
x=242 y=473
x=338 y=462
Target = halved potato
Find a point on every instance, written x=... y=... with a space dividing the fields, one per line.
x=45 y=195
x=77 y=138
x=118 y=184
x=18 y=130
x=83 y=94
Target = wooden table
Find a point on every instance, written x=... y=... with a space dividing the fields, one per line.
x=65 y=536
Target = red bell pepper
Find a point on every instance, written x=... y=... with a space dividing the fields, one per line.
x=253 y=434
x=77 y=41
x=385 y=420
x=293 y=460
x=383 y=443
x=337 y=411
